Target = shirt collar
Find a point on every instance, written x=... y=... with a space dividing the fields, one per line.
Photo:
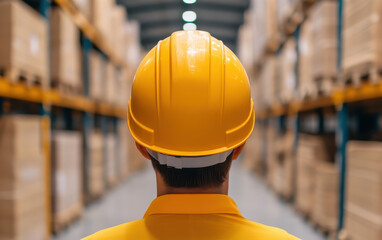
x=192 y=204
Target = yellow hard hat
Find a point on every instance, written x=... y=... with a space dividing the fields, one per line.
x=190 y=97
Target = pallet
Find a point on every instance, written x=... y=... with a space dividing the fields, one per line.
x=330 y=234
x=322 y=86
x=15 y=75
x=63 y=220
x=364 y=72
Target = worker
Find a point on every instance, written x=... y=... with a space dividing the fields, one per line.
x=190 y=114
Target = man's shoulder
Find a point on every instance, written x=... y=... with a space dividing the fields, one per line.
x=269 y=232
x=117 y=232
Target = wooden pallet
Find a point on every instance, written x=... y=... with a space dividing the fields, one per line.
x=65 y=219
x=16 y=75
x=364 y=72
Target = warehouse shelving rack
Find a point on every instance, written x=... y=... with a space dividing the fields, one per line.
x=47 y=98
x=340 y=101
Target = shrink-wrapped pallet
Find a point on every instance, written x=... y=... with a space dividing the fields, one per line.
x=362 y=33
x=306 y=85
x=101 y=16
x=22 y=179
x=265 y=28
x=325 y=41
x=326 y=196
x=96 y=168
x=97 y=75
x=311 y=150
x=65 y=54
x=287 y=82
x=363 y=218
x=23 y=44
x=111 y=159
x=66 y=177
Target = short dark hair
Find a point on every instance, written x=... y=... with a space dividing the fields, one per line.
x=212 y=176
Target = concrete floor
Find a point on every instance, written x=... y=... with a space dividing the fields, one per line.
x=129 y=201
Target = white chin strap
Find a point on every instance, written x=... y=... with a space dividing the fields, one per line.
x=189 y=162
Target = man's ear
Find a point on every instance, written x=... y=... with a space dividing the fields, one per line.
x=237 y=151
x=142 y=150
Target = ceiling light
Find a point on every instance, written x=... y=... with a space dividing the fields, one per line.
x=189 y=16
x=189 y=26
x=189 y=1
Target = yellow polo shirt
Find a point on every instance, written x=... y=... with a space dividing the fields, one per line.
x=192 y=216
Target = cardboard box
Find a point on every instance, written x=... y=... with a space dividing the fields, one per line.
x=66 y=176
x=311 y=150
x=96 y=170
x=83 y=6
x=101 y=16
x=111 y=159
x=286 y=80
x=122 y=157
x=97 y=68
x=326 y=202
x=362 y=49
x=364 y=190
x=23 y=43
x=22 y=182
x=66 y=54
x=111 y=95
x=119 y=19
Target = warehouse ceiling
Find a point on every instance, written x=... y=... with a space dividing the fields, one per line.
x=159 y=18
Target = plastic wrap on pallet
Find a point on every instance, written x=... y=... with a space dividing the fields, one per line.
x=65 y=53
x=362 y=33
x=324 y=26
x=363 y=218
x=23 y=43
x=286 y=79
x=22 y=179
x=306 y=84
x=66 y=177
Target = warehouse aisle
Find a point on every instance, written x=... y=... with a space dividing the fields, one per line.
x=129 y=201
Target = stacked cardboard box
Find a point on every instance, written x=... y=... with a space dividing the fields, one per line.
x=325 y=210
x=282 y=167
x=111 y=159
x=363 y=218
x=311 y=151
x=96 y=169
x=286 y=85
x=83 y=6
x=119 y=20
x=110 y=83
x=289 y=14
x=97 y=66
x=66 y=177
x=268 y=78
x=65 y=56
x=270 y=153
x=245 y=46
x=123 y=133
x=123 y=88
x=101 y=16
x=22 y=182
x=306 y=85
x=253 y=151
x=324 y=27
x=135 y=159
x=133 y=52
x=362 y=32
x=265 y=28
x=23 y=43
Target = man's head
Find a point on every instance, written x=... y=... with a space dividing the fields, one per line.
x=191 y=110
